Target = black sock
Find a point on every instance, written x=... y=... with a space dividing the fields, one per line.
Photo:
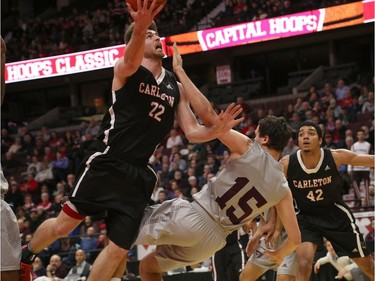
x=27 y=256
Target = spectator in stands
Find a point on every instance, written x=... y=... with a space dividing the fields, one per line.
x=30 y=185
x=28 y=144
x=24 y=229
x=82 y=267
x=60 y=188
x=6 y=140
x=289 y=112
x=295 y=122
x=260 y=114
x=290 y=148
x=45 y=134
x=328 y=141
x=34 y=220
x=364 y=95
x=327 y=93
x=305 y=108
x=359 y=173
x=87 y=222
x=56 y=269
x=213 y=163
x=38 y=268
x=60 y=167
x=347 y=100
x=48 y=154
x=298 y=105
x=16 y=146
x=28 y=203
x=46 y=203
x=245 y=107
x=34 y=163
x=56 y=205
x=180 y=161
x=287 y=8
x=45 y=174
x=70 y=181
x=355 y=108
x=338 y=134
x=174 y=139
x=162 y=197
x=14 y=196
x=349 y=141
x=345 y=116
x=333 y=108
x=340 y=90
x=88 y=243
x=10 y=162
x=368 y=105
x=202 y=180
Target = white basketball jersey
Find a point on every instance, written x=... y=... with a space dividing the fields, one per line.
x=245 y=188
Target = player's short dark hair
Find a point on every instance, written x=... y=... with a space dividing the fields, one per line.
x=130 y=29
x=311 y=124
x=278 y=131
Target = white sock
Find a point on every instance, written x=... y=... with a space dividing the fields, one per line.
x=115 y=279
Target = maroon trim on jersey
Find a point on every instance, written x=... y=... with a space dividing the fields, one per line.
x=71 y=213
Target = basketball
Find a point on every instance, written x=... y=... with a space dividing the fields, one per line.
x=134 y=5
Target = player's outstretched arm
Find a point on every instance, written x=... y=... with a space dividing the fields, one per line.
x=288 y=218
x=134 y=51
x=199 y=133
x=198 y=101
x=344 y=156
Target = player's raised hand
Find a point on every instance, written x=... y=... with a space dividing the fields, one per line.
x=226 y=120
x=144 y=15
x=177 y=59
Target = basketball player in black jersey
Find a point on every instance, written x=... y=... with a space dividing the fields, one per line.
x=114 y=178
x=316 y=187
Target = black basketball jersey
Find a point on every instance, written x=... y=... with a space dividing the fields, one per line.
x=314 y=190
x=141 y=115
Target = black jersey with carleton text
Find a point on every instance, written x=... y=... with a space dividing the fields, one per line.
x=141 y=115
x=314 y=190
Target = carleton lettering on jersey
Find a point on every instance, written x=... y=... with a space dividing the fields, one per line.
x=312 y=183
x=154 y=90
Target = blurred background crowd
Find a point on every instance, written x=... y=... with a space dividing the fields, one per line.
x=40 y=165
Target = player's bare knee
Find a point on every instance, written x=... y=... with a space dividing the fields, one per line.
x=116 y=252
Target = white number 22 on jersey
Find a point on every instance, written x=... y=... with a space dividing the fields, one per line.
x=156 y=111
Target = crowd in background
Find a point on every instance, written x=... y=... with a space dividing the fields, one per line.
x=83 y=27
x=40 y=166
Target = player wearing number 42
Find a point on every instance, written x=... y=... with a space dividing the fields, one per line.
x=252 y=181
x=313 y=177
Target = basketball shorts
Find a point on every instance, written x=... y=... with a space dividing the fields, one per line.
x=287 y=267
x=109 y=187
x=338 y=225
x=183 y=232
x=10 y=239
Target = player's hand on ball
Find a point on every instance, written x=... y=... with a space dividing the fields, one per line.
x=145 y=13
